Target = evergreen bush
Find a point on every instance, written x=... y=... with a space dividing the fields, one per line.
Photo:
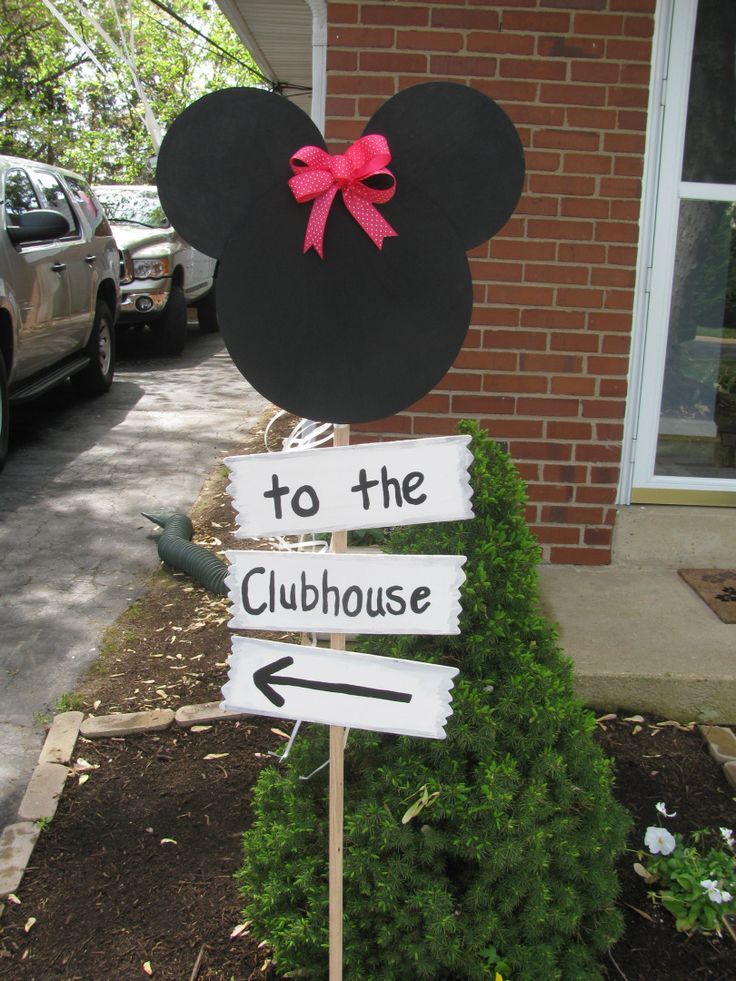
x=505 y=860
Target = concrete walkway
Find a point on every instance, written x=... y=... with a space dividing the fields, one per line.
x=639 y=636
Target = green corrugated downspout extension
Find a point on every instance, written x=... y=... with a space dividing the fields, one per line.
x=176 y=549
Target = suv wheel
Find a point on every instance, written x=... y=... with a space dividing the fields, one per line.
x=4 y=418
x=171 y=329
x=96 y=378
x=207 y=313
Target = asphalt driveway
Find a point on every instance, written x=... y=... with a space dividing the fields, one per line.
x=74 y=549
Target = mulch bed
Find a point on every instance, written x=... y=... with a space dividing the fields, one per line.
x=134 y=875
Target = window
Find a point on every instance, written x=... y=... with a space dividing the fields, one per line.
x=19 y=196
x=89 y=205
x=56 y=198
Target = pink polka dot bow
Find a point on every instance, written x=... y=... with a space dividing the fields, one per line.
x=318 y=177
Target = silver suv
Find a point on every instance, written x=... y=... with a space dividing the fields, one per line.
x=161 y=274
x=59 y=286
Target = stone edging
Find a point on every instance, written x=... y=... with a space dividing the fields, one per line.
x=47 y=781
x=54 y=766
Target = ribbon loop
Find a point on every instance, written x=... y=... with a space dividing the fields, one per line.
x=318 y=176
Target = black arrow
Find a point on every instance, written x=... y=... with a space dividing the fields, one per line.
x=264 y=678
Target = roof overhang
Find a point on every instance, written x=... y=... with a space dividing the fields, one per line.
x=278 y=35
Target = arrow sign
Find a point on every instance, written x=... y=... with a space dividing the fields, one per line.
x=265 y=679
x=339 y=688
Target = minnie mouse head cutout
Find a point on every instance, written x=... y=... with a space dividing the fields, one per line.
x=343 y=289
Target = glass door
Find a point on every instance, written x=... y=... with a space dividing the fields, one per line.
x=686 y=439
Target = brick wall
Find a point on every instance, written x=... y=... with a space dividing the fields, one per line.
x=545 y=362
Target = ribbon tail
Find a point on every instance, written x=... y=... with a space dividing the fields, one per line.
x=315 y=233
x=369 y=218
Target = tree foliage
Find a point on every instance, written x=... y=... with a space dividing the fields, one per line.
x=505 y=859
x=56 y=106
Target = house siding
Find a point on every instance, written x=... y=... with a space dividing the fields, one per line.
x=544 y=366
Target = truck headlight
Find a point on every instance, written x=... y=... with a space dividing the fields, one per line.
x=151 y=268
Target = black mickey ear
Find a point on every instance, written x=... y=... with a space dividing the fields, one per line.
x=222 y=153
x=458 y=147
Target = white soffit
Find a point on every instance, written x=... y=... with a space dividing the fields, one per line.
x=278 y=34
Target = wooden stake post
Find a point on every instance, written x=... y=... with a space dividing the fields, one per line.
x=337 y=764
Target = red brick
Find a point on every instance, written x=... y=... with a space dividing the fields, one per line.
x=434 y=426
x=525 y=68
x=360 y=37
x=343 y=13
x=595 y=495
x=585 y=208
x=563 y=555
x=571 y=252
x=494 y=271
x=598 y=453
x=360 y=85
x=484 y=360
x=543 y=23
x=509 y=428
x=627 y=96
x=575 y=4
x=528 y=472
x=504 y=90
x=433 y=402
x=577 y=341
x=571 y=230
x=533 y=296
x=619 y=300
x=495 y=316
x=623 y=143
x=556 y=534
x=570 y=47
x=464 y=20
x=367 y=106
x=603 y=25
x=631 y=119
x=346 y=129
x=338 y=60
x=639 y=26
x=604 y=475
x=542 y=450
x=570 y=514
x=572 y=385
x=628 y=166
x=390 y=15
x=548 y=407
x=522 y=340
x=489 y=405
x=597 y=72
x=399 y=425
x=604 y=409
x=615 y=343
x=561 y=184
x=609 y=321
x=553 y=319
x=628 y=51
x=555 y=273
x=501 y=43
x=616 y=231
x=515 y=383
x=508 y=249
x=580 y=298
x=625 y=210
x=539 y=115
x=611 y=367
x=613 y=388
x=463 y=381
x=635 y=6
x=335 y=106
x=598 y=536
x=538 y=206
x=393 y=61
x=622 y=255
x=467 y=66
x=609 y=431
x=567 y=139
x=576 y=95
x=587 y=163
x=637 y=74
x=596 y=119
x=564 y=429
x=548 y=493
x=430 y=41
x=552 y=363
x=613 y=276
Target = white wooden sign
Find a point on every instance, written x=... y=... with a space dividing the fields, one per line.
x=339 y=688
x=346 y=593
x=373 y=485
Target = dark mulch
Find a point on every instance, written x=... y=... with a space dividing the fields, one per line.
x=107 y=895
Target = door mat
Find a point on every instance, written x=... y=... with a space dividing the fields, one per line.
x=716 y=587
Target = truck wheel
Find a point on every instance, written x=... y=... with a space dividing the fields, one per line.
x=4 y=418
x=207 y=314
x=171 y=329
x=96 y=378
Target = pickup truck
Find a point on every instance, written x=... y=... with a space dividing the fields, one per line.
x=59 y=286
x=160 y=274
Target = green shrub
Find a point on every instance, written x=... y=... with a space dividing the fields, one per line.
x=507 y=861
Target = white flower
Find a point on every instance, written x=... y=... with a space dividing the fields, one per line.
x=662 y=808
x=727 y=835
x=715 y=894
x=659 y=841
